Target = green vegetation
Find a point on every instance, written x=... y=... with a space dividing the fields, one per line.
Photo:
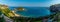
x=6 y=12
x=1 y=17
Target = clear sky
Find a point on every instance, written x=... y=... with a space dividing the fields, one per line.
x=39 y=3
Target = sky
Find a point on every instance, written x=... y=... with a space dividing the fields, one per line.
x=30 y=3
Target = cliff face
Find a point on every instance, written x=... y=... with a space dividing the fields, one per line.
x=55 y=8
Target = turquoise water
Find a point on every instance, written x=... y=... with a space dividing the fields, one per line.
x=34 y=11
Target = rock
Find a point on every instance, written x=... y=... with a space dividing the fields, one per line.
x=8 y=19
x=55 y=8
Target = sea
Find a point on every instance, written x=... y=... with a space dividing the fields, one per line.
x=33 y=11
